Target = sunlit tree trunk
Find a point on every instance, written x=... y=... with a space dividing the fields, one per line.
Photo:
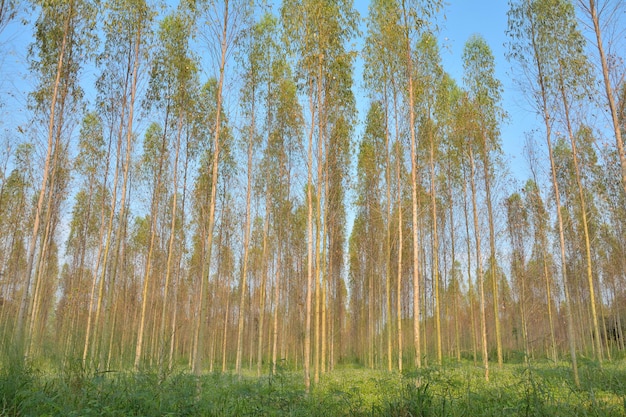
x=263 y=287
x=530 y=19
x=435 y=254
x=414 y=185
x=583 y=208
x=203 y=307
x=399 y=260
x=591 y=9
x=244 y=263
x=154 y=215
x=480 y=277
x=470 y=286
x=52 y=121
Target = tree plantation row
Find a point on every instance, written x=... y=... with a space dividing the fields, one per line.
x=191 y=188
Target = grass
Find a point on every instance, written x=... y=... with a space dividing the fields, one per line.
x=541 y=389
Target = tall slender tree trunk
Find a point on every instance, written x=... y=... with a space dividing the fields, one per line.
x=172 y=237
x=481 y=278
x=399 y=272
x=309 y=290
x=225 y=333
x=457 y=340
x=246 y=243
x=126 y=174
x=263 y=288
x=326 y=265
x=492 y=247
x=388 y=238
x=568 y=303
x=24 y=302
x=469 y=271
x=153 y=231
x=583 y=208
x=319 y=220
x=548 y=123
x=400 y=227
x=197 y=362
x=416 y=246
x=435 y=255
x=617 y=129
x=277 y=306
x=46 y=239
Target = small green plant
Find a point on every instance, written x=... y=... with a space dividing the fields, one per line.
x=536 y=389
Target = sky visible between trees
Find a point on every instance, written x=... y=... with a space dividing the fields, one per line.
x=221 y=185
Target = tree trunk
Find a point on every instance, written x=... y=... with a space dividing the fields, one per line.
x=416 y=275
x=24 y=302
x=435 y=255
x=593 y=14
x=583 y=208
x=548 y=122
x=481 y=278
x=197 y=362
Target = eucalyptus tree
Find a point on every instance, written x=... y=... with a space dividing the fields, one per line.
x=365 y=238
x=469 y=130
x=317 y=33
x=173 y=78
x=152 y=167
x=518 y=228
x=529 y=28
x=571 y=72
x=614 y=234
x=224 y=24
x=485 y=92
x=203 y=129
x=279 y=159
x=606 y=18
x=432 y=108
x=582 y=187
x=127 y=36
x=85 y=225
x=62 y=41
x=448 y=100
x=15 y=196
x=385 y=74
x=256 y=65
x=381 y=67
x=271 y=99
x=538 y=216
x=416 y=17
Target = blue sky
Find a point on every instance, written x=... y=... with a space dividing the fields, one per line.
x=463 y=18
x=488 y=18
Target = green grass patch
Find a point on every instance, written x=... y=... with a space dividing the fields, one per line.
x=542 y=389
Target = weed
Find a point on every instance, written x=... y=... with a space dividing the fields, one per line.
x=534 y=389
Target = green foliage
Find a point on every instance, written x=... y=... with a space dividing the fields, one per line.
x=538 y=390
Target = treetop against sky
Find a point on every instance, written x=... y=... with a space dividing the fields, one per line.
x=462 y=19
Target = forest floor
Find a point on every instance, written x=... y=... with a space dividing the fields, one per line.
x=538 y=389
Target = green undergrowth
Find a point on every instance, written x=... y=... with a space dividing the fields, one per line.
x=540 y=389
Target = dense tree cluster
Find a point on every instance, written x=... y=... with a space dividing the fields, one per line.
x=209 y=201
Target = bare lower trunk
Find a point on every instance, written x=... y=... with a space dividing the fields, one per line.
x=583 y=208
x=480 y=278
x=24 y=302
x=197 y=362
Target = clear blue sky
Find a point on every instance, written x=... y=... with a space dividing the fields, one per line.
x=488 y=18
x=463 y=18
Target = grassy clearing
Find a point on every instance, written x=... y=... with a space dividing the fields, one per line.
x=457 y=390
